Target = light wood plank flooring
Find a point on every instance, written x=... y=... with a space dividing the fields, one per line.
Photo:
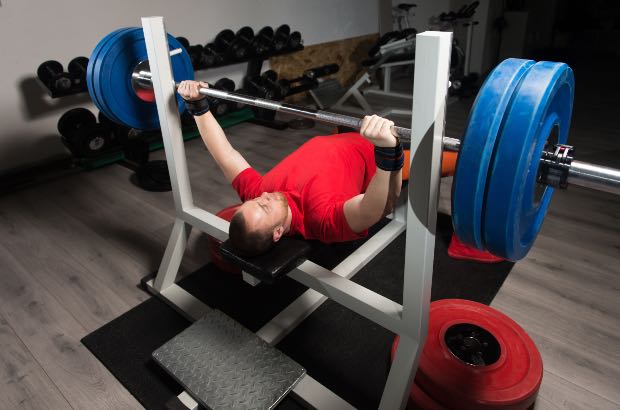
x=73 y=250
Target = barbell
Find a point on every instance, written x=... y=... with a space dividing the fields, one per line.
x=511 y=157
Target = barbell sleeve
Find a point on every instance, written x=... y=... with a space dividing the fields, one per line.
x=595 y=177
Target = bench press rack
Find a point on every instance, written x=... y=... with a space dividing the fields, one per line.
x=416 y=213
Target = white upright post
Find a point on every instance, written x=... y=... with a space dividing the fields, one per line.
x=170 y=122
x=428 y=115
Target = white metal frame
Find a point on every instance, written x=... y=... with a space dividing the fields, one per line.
x=416 y=213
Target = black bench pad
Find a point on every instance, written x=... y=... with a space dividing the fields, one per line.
x=284 y=256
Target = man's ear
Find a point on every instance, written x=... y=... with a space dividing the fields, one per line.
x=277 y=233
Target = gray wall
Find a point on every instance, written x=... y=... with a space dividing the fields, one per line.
x=33 y=31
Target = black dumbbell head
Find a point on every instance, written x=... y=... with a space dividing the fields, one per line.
x=196 y=54
x=93 y=139
x=184 y=42
x=73 y=120
x=269 y=75
x=294 y=40
x=224 y=39
x=48 y=69
x=77 y=66
x=281 y=37
x=224 y=84
x=246 y=33
x=212 y=55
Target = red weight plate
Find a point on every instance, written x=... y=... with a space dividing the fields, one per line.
x=503 y=371
x=214 y=244
x=418 y=399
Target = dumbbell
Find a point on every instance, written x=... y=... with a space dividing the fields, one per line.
x=235 y=46
x=213 y=56
x=218 y=106
x=294 y=40
x=244 y=38
x=269 y=80
x=308 y=79
x=280 y=38
x=196 y=54
x=257 y=88
x=184 y=42
x=77 y=69
x=262 y=43
x=82 y=134
x=242 y=91
x=51 y=73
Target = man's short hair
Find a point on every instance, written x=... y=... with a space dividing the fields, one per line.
x=246 y=242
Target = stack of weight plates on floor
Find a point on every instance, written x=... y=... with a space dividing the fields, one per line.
x=474 y=358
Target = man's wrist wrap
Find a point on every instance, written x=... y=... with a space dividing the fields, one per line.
x=390 y=158
x=197 y=107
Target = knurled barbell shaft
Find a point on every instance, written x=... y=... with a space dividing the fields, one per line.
x=580 y=173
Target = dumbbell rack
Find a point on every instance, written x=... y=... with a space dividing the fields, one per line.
x=416 y=214
x=262 y=116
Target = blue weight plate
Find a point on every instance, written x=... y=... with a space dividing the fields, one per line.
x=516 y=204
x=90 y=68
x=484 y=125
x=98 y=78
x=113 y=78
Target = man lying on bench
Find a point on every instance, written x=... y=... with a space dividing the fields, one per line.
x=332 y=188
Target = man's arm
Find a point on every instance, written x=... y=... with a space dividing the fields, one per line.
x=227 y=158
x=364 y=210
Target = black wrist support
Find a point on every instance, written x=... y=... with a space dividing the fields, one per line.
x=197 y=107
x=390 y=158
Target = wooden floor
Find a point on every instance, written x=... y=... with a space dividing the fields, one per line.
x=73 y=250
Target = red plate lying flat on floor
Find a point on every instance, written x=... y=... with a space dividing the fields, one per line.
x=478 y=358
x=418 y=399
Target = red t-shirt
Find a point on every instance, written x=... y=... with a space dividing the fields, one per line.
x=317 y=179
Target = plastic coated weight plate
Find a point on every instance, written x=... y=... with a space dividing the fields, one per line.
x=515 y=204
x=91 y=66
x=475 y=154
x=113 y=73
x=503 y=368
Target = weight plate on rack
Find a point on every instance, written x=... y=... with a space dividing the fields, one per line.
x=515 y=204
x=476 y=150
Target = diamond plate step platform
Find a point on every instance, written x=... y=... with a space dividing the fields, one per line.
x=225 y=366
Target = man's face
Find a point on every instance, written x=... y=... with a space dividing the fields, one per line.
x=265 y=212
